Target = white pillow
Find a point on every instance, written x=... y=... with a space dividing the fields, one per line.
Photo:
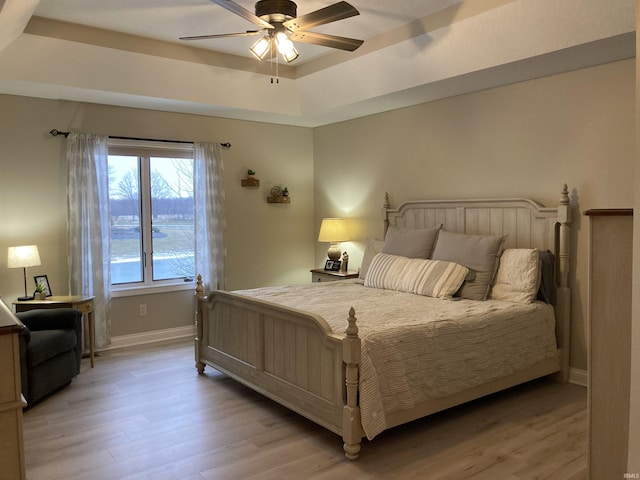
x=432 y=278
x=517 y=279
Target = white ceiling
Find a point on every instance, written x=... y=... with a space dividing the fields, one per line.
x=127 y=52
x=169 y=19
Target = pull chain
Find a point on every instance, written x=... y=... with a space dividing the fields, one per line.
x=273 y=53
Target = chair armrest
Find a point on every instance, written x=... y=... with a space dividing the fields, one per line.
x=51 y=319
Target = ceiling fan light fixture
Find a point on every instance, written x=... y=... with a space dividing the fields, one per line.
x=291 y=55
x=286 y=47
x=279 y=20
x=261 y=48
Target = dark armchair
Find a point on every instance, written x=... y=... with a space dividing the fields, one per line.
x=50 y=350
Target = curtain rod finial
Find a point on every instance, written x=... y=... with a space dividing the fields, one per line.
x=55 y=132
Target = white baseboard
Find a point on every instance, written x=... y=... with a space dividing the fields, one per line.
x=578 y=377
x=122 y=341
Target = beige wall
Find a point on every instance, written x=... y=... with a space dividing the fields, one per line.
x=267 y=244
x=525 y=139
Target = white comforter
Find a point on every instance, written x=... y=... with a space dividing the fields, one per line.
x=417 y=348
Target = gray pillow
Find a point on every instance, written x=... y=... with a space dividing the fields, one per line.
x=479 y=253
x=547 y=291
x=410 y=242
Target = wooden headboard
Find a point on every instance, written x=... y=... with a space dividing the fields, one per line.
x=526 y=223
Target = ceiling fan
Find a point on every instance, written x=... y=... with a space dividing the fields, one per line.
x=278 y=21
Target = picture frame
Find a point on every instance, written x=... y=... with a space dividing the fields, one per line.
x=332 y=265
x=43 y=280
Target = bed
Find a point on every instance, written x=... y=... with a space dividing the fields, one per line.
x=352 y=356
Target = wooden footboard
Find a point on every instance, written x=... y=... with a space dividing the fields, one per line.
x=288 y=355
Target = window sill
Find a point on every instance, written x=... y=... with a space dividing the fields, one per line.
x=150 y=290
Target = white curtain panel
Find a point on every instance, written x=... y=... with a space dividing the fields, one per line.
x=210 y=216
x=89 y=227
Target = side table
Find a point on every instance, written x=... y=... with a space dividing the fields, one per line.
x=320 y=275
x=79 y=302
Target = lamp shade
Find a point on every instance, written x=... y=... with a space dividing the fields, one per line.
x=23 y=256
x=261 y=48
x=333 y=230
x=285 y=47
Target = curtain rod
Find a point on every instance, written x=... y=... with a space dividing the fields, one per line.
x=55 y=132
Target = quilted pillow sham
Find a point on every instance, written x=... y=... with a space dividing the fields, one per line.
x=479 y=253
x=518 y=276
x=431 y=278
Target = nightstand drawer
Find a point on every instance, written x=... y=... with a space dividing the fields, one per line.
x=320 y=275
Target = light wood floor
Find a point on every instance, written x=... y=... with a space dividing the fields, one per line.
x=144 y=413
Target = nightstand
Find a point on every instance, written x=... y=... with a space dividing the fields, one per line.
x=321 y=275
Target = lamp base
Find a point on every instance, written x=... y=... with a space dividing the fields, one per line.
x=24 y=299
x=334 y=252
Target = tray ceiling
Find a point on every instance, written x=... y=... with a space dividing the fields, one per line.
x=127 y=52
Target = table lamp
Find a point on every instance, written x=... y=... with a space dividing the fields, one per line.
x=333 y=230
x=22 y=257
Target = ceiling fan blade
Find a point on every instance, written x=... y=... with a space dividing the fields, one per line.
x=243 y=12
x=333 y=41
x=223 y=35
x=332 y=13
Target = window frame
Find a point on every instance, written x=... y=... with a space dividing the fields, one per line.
x=146 y=149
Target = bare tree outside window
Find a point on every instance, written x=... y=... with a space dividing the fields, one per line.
x=152 y=208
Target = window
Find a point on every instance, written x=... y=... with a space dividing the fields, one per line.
x=151 y=199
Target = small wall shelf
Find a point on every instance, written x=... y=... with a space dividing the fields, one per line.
x=250 y=182
x=280 y=199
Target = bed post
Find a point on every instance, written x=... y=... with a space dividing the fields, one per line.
x=351 y=422
x=199 y=294
x=563 y=307
x=385 y=213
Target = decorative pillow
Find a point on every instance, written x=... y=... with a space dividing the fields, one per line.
x=547 y=291
x=373 y=247
x=479 y=253
x=410 y=242
x=518 y=276
x=431 y=278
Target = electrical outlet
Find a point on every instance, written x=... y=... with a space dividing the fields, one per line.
x=143 y=310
